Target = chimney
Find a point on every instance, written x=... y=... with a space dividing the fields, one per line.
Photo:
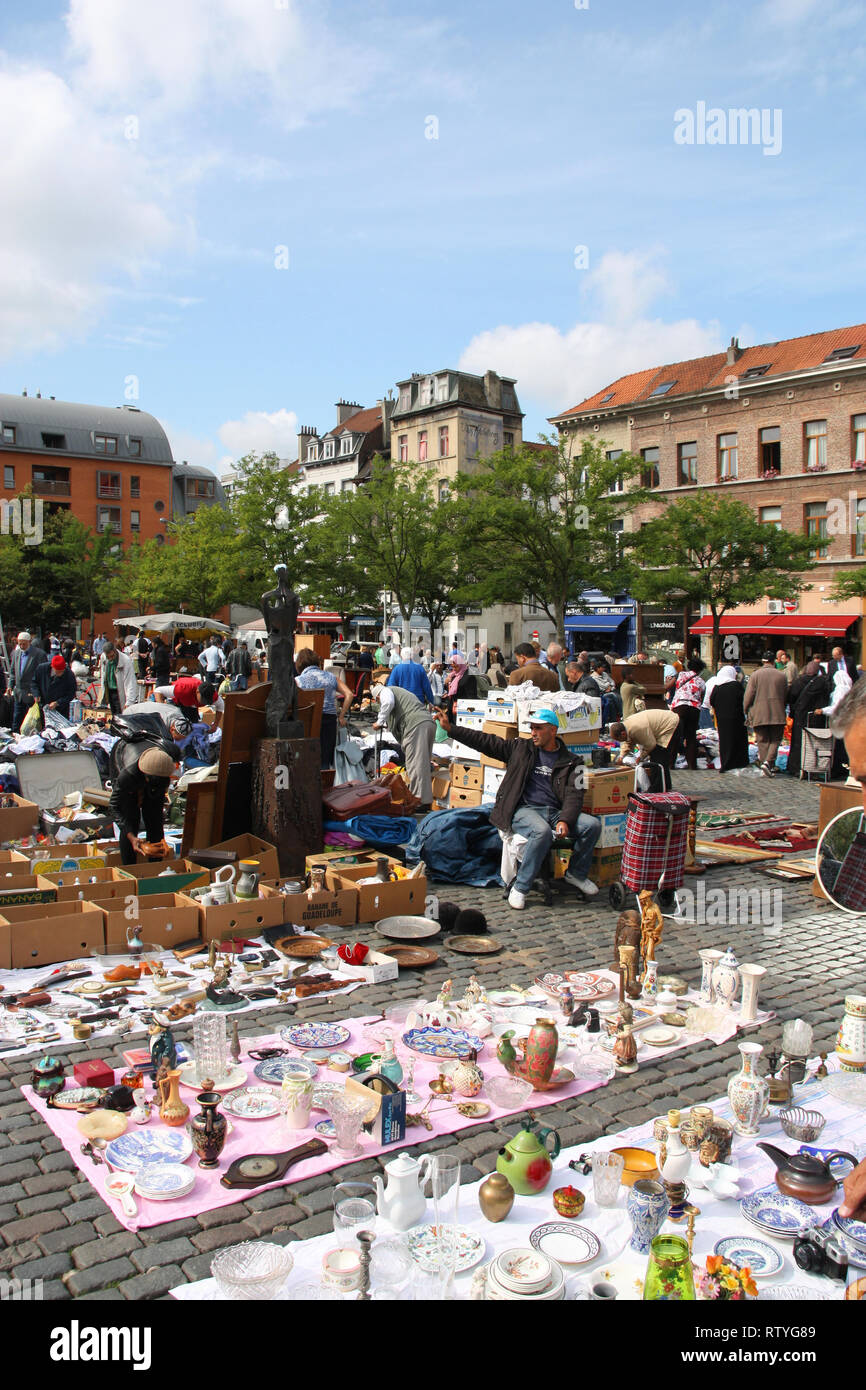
x=493 y=390
x=305 y=435
x=734 y=351
x=345 y=409
x=386 y=407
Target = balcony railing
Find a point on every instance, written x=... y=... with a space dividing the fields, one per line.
x=111 y=490
x=51 y=487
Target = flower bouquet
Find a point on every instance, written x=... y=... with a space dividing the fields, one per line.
x=724 y=1281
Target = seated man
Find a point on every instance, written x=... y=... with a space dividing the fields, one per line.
x=540 y=796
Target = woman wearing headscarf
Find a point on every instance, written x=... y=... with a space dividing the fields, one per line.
x=726 y=702
x=807 y=694
x=842 y=683
x=462 y=684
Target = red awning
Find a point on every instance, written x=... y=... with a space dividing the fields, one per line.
x=318 y=617
x=793 y=625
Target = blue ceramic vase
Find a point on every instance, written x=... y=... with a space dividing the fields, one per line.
x=647 y=1206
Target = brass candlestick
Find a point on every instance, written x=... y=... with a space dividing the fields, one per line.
x=692 y=1212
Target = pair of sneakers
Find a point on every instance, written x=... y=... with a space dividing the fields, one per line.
x=517 y=900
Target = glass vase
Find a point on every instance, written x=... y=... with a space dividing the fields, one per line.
x=210 y=1046
x=347 y=1113
x=669 y=1271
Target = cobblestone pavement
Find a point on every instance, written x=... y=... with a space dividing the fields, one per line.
x=56 y=1227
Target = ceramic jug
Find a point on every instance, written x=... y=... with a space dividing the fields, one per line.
x=172 y=1110
x=403 y=1202
x=539 y=1053
x=467 y=1076
x=247 y=885
x=851 y=1039
x=726 y=979
x=748 y=1092
x=526 y=1159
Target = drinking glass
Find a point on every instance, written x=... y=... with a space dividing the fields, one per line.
x=210 y=1046
x=445 y=1182
x=606 y=1177
x=354 y=1210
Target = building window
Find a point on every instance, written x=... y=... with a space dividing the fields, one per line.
x=108 y=485
x=328 y=450
x=687 y=463
x=135 y=521
x=199 y=487
x=770 y=516
x=507 y=439
x=422 y=446
x=727 y=445
x=329 y=488
x=842 y=354
x=53 y=441
x=405 y=397
x=815 y=515
x=9 y=434
x=649 y=475
x=752 y=373
x=346 y=444
x=858 y=442
x=346 y=485
x=403 y=448
x=427 y=391
x=662 y=388
x=443 y=442
x=8 y=475
x=160 y=539
x=618 y=485
x=108 y=516
x=443 y=490
x=858 y=547
x=105 y=443
x=135 y=486
x=134 y=447
x=816 y=445
x=312 y=453
x=441 y=388
x=771 y=449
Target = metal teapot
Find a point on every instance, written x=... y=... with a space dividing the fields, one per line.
x=806 y=1176
x=526 y=1160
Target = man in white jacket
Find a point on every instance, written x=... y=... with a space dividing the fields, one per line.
x=118 y=683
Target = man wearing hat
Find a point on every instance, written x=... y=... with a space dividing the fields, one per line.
x=139 y=793
x=540 y=797
x=24 y=663
x=56 y=685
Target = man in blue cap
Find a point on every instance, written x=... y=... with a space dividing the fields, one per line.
x=540 y=797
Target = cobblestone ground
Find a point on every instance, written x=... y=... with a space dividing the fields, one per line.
x=56 y=1227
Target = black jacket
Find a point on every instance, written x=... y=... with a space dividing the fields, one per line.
x=160 y=660
x=61 y=689
x=239 y=662
x=135 y=796
x=519 y=757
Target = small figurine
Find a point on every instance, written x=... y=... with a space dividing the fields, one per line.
x=627 y=934
x=566 y=1003
x=162 y=1047
x=220 y=975
x=474 y=994
x=822 y=1065
x=212 y=955
x=651 y=925
x=626 y=1012
x=625 y=1048
x=443 y=998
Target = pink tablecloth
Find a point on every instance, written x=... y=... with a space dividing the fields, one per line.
x=272 y=1136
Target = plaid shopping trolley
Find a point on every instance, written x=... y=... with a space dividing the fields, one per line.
x=850 y=887
x=656 y=836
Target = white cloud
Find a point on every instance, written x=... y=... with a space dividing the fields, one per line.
x=84 y=215
x=261 y=431
x=191 y=448
x=558 y=369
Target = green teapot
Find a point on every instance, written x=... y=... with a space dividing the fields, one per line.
x=527 y=1161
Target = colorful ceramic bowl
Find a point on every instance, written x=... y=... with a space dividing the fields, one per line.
x=639 y=1163
x=569 y=1201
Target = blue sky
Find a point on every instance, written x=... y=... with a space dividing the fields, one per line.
x=160 y=154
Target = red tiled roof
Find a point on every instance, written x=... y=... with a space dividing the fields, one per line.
x=709 y=373
x=362 y=422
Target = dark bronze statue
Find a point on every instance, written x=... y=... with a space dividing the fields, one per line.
x=280 y=608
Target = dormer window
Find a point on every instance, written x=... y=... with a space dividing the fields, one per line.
x=427 y=391
x=442 y=388
x=313 y=453
x=105 y=443
x=346 y=444
x=53 y=441
x=842 y=354
x=329 y=449
x=405 y=398
x=752 y=373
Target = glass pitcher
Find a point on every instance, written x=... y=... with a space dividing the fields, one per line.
x=669 y=1271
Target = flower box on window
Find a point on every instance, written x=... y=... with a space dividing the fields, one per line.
x=769 y=473
x=816 y=468
x=859 y=465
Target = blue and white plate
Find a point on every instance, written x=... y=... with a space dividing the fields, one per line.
x=442 y=1042
x=163 y=1182
x=134 y=1151
x=856 y=1256
x=313 y=1034
x=276 y=1069
x=774 y=1212
x=326 y=1128
x=252 y=1103
x=744 y=1251
x=853 y=1229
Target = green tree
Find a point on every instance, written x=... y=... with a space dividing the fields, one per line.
x=542 y=524
x=66 y=575
x=335 y=576
x=272 y=520
x=197 y=569
x=849 y=584
x=138 y=582
x=718 y=554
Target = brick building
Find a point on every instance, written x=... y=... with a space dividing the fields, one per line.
x=780 y=426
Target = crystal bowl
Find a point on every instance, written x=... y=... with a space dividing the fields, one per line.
x=255 y=1269
x=508 y=1092
x=804 y=1125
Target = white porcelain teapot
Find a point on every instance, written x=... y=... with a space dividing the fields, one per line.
x=403 y=1202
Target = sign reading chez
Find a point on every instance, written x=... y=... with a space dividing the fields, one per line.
x=620 y=610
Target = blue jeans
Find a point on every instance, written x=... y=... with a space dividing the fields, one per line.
x=536 y=823
x=239 y=682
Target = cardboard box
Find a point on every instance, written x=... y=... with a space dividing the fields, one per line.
x=377 y=900
x=461 y=753
x=607 y=790
x=613 y=825
x=152 y=877
x=47 y=933
x=441 y=788
x=322 y=910
x=248 y=918
x=492 y=781
x=502 y=706
x=366 y=862
x=583 y=718
x=376 y=968
x=466 y=775
x=471 y=709
x=606 y=866
x=22 y=889
x=61 y=854
x=349 y=857
x=499 y=730
x=462 y=797
x=10 y=858
x=251 y=847
x=166 y=919
x=19 y=819
x=92 y=884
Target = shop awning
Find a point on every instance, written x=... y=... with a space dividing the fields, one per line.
x=595 y=622
x=787 y=625
x=319 y=618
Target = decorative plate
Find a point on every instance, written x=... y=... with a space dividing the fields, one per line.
x=315 y=1034
x=411 y=957
x=442 y=1042
x=659 y=1037
x=424 y=1249
x=565 y=1243
x=276 y=1069
x=795 y=1293
x=252 y=1103
x=506 y=998
x=522 y=1270
x=134 y=1151
x=847 y=1086
x=406 y=928
x=551 y=983
x=78 y=1095
x=855 y=1230
x=161 y=1182
x=773 y=1211
x=302 y=947
x=856 y=1255
x=474 y=945
x=588 y=984
x=236 y=1077
x=473 y=1109
x=742 y=1251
